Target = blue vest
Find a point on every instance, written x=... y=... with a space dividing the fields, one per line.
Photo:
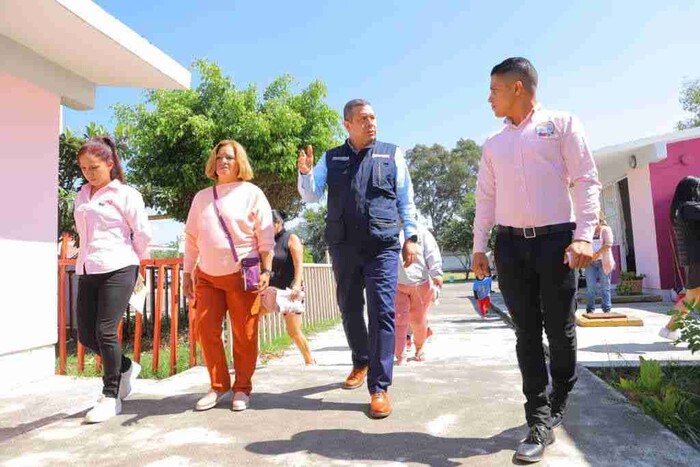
x=362 y=204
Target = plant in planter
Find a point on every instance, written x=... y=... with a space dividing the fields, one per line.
x=630 y=283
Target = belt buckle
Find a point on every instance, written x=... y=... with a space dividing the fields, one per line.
x=525 y=232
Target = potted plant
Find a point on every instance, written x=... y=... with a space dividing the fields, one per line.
x=630 y=283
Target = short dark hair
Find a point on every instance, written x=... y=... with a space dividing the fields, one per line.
x=350 y=106
x=279 y=216
x=520 y=67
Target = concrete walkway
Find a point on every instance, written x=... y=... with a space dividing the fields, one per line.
x=461 y=407
x=622 y=346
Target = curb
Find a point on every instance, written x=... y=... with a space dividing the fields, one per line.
x=504 y=316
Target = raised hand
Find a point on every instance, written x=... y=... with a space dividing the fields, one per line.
x=306 y=160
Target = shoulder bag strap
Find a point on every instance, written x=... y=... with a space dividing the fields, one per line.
x=223 y=225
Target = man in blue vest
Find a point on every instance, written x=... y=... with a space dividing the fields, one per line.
x=369 y=190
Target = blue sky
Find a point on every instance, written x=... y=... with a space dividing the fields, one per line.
x=425 y=65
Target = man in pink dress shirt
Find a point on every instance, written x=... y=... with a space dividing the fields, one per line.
x=530 y=170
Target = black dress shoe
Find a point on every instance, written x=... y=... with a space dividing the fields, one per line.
x=558 y=413
x=532 y=448
x=558 y=416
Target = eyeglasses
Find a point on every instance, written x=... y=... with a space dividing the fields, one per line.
x=226 y=158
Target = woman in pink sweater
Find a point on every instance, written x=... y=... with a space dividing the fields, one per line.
x=228 y=225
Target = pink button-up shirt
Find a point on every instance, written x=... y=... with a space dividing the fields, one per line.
x=113 y=228
x=525 y=174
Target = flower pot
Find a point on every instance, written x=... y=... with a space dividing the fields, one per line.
x=632 y=286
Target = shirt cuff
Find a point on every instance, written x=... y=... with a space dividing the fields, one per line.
x=585 y=234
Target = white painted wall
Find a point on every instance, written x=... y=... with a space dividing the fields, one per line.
x=644 y=229
x=29 y=129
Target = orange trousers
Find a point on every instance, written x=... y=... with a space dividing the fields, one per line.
x=214 y=296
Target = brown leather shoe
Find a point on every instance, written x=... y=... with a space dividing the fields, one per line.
x=380 y=407
x=356 y=378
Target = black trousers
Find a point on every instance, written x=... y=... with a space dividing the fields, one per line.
x=540 y=292
x=102 y=300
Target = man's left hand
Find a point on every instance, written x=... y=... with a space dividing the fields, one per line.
x=437 y=281
x=409 y=253
x=579 y=254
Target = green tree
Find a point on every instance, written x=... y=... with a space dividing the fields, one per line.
x=690 y=100
x=171 y=134
x=442 y=179
x=311 y=232
x=457 y=235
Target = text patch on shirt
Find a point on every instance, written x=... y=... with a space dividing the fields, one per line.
x=545 y=130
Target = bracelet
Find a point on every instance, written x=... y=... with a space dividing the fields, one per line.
x=265 y=271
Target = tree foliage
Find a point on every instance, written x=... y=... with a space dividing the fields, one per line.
x=171 y=134
x=690 y=100
x=442 y=180
x=311 y=231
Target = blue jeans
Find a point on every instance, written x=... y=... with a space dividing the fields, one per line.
x=594 y=273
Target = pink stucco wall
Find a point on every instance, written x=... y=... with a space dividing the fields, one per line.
x=683 y=158
x=29 y=129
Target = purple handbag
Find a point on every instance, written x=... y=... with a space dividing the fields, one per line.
x=250 y=267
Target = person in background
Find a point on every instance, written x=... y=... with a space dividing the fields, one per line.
x=685 y=221
x=228 y=221
x=601 y=266
x=415 y=293
x=114 y=232
x=288 y=274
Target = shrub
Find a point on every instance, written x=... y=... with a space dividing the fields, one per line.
x=689 y=325
x=631 y=276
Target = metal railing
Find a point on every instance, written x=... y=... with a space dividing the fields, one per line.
x=166 y=304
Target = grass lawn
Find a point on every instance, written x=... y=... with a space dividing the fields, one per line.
x=268 y=350
x=671 y=394
x=458 y=277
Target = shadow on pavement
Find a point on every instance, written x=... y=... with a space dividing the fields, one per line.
x=172 y=405
x=406 y=447
x=298 y=400
x=634 y=348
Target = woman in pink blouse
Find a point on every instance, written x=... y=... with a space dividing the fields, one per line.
x=241 y=231
x=114 y=232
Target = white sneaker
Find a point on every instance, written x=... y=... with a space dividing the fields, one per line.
x=666 y=333
x=106 y=408
x=127 y=381
x=209 y=401
x=240 y=401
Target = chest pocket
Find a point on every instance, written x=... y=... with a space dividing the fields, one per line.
x=383 y=176
x=338 y=172
x=545 y=150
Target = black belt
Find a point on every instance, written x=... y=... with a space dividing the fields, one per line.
x=532 y=232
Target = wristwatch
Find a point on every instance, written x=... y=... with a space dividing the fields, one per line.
x=265 y=271
x=412 y=238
